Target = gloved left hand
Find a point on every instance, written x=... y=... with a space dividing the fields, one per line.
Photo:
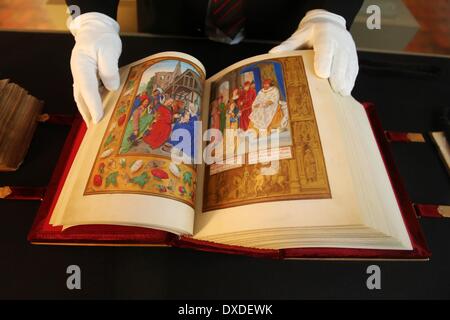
x=335 y=55
x=97 y=50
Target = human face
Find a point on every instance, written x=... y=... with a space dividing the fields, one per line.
x=169 y=102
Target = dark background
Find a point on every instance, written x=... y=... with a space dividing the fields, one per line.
x=409 y=92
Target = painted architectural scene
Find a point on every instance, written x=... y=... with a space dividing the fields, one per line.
x=267 y=94
x=168 y=98
x=159 y=96
x=251 y=97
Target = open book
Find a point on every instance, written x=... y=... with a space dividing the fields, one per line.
x=262 y=155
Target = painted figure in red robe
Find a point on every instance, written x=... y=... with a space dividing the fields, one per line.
x=247 y=98
x=160 y=130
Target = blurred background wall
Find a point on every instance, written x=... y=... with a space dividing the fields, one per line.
x=421 y=26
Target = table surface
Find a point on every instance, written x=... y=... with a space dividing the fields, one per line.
x=409 y=92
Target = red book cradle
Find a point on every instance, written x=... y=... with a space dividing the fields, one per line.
x=108 y=235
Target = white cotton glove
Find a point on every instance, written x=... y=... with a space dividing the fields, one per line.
x=335 y=54
x=97 y=49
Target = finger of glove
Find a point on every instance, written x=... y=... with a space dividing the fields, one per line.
x=85 y=78
x=81 y=105
x=324 y=50
x=108 y=60
x=351 y=74
x=299 y=39
x=338 y=72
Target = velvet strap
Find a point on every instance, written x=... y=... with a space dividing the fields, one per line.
x=59 y=119
x=432 y=210
x=22 y=193
x=393 y=136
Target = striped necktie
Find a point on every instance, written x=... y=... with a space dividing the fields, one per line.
x=225 y=21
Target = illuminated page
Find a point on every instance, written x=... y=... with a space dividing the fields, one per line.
x=123 y=173
x=311 y=186
x=257 y=106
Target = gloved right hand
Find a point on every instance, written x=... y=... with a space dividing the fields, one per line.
x=97 y=48
x=335 y=55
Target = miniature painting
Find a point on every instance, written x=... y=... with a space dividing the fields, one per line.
x=159 y=96
x=266 y=95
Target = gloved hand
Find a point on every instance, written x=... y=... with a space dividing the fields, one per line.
x=335 y=54
x=97 y=48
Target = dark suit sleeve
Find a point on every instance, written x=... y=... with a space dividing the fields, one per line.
x=347 y=9
x=108 y=7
